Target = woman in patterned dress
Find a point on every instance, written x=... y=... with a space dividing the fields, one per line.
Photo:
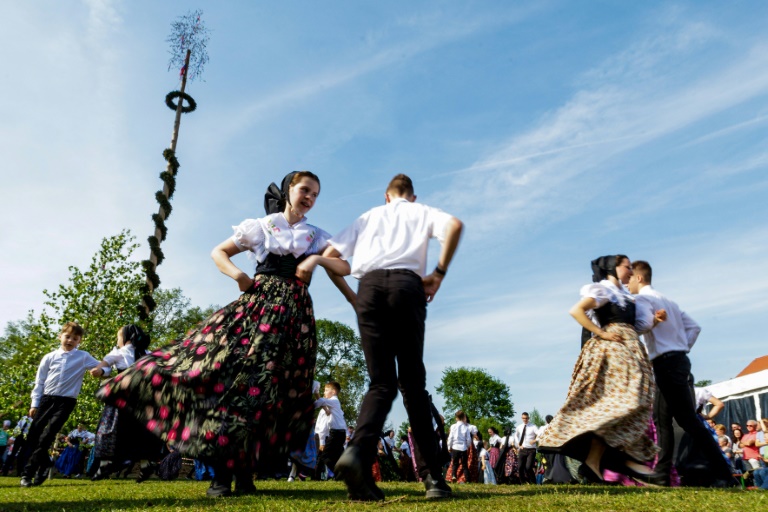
x=236 y=391
x=604 y=419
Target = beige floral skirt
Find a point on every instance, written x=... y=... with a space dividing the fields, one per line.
x=610 y=396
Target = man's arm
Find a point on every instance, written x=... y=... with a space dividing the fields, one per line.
x=692 y=329
x=432 y=282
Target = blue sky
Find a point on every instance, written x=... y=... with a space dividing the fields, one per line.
x=558 y=131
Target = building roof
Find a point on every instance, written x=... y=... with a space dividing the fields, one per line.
x=757 y=365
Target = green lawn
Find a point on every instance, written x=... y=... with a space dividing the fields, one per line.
x=115 y=495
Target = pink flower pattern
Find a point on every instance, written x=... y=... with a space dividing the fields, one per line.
x=213 y=399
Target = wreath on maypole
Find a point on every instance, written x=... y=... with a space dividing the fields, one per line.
x=188 y=41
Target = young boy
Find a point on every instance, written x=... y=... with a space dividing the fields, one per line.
x=331 y=448
x=57 y=384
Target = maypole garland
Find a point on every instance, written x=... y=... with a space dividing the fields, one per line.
x=191 y=56
x=192 y=104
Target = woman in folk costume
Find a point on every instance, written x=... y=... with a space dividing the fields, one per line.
x=604 y=419
x=236 y=392
x=120 y=438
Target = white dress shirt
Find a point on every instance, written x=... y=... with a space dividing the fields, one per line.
x=459 y=437
x=323 y=426
x=120 y=358
x=336 y=421
x=678 y=333
x=529 y=441
x=405 y=448
x=61 y=374
x=393 y=236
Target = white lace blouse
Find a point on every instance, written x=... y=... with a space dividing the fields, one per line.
x=605 y=291
x=273 y=234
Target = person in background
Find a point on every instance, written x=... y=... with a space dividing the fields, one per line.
x=751 y=453
x=525 y=443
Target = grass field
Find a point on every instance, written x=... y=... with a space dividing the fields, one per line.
x=116 y=495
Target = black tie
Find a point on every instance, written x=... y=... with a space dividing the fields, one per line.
x=522 y=435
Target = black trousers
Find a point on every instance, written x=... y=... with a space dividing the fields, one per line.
x=334 y=446
x=51 y=415
x=459 y=461
x=674 y=399
x=527 y=461
x=391 y=311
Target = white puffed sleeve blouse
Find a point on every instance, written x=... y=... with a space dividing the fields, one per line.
x=273 y=234
x=605 y=291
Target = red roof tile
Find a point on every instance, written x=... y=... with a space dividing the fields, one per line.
x=758 y=365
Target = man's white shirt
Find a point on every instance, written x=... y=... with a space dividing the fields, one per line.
x=678 y=333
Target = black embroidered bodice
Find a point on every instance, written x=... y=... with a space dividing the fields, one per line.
x=611 y=313
x=283 y=266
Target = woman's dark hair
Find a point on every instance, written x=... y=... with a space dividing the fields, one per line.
x=134 y=335
x=605 y=266
x=494 y=430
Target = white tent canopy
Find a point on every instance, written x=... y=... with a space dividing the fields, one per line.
x=752 y=387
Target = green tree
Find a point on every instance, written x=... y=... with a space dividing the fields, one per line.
x=702 y=383
x=174 y=316
x=536 y=418
x=340 y=357
x=484 y=398
x=22 y=346
x=101 y=298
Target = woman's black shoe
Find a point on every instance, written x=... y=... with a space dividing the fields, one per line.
x=145 y=473
x=217 y=490
x=102 y=473
x=244 y=483
x=589 y=474
x=649 y=479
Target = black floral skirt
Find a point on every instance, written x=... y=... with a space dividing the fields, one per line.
x=237 y=389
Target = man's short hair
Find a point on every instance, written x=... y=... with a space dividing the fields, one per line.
x=401 y=186
x=335 y=385
x=644 y=269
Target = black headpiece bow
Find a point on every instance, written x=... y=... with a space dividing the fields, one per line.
x=134 y=335
x=275 y=198
x=603 y=267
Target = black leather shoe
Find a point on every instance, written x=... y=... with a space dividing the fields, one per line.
x=660 y=480
x=40 y=477
x=352 y=470
x=218 y=490
x=589 y=474
x=725 y=483
x=26 y=482
x=102 y=473
x=437 y=488
x=145 y=473
x=244 y=483
x=644 y=478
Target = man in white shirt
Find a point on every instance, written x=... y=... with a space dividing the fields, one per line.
x=388 y=246
x=57 y=385
x=525 y=442
x=668 y=346
x=331 y=448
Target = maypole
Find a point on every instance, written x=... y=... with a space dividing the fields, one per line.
x=188 y=40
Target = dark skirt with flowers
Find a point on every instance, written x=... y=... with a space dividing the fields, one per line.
x=237 y=389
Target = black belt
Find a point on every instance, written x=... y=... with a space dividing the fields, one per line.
x=674 y=353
